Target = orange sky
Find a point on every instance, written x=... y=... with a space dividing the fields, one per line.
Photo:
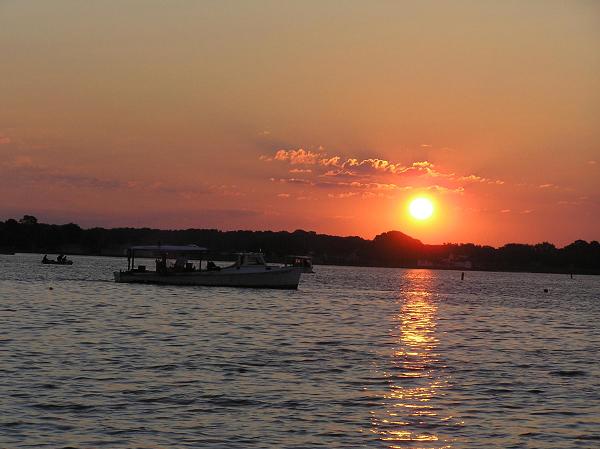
x=325 y=116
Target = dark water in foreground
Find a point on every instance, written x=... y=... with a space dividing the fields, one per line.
x=358 y=357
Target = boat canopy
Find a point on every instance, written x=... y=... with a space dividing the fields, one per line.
x=167 y=250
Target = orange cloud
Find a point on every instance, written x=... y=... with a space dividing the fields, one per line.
x=299 y=156
x=342 y=195
x=373 y=175
x=291 y=180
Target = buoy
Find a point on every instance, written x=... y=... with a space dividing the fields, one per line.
x=462 y=276
x=50 y=288
x=545 y=290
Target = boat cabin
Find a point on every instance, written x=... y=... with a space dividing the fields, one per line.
x=185 y=258
x=250 y=259
x=167 y=257
x=304 y=262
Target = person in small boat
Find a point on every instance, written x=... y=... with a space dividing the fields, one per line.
x=60 y=258
x=45 y=259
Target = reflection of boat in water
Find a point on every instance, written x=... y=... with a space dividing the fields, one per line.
x=62 y=261
x=183 y=265
x=304 y=262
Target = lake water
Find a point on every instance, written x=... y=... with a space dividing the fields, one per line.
x=357 y=357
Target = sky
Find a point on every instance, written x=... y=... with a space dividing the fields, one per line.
x=327 y=116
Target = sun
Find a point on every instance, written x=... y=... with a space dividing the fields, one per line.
x=421 y=208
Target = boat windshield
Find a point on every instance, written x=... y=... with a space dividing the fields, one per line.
x=251 y=259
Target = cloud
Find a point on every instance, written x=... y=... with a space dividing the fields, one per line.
x=21 y=162
x=442 y=189
x=283 y=195
x=370 y=174
x=342 y=195
x=478 y=179
x=296 y=157
x=291 y=180
x=471 y=178
x=183 y=191
x=332 y=161
x=225 y=190
x=24 y=169
x=4 y=140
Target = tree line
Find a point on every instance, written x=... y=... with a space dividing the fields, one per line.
x=390 y=249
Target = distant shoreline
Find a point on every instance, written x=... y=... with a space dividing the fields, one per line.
x=391 y=249
x=436 y=268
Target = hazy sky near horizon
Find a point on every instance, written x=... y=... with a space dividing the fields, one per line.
x=320 y=115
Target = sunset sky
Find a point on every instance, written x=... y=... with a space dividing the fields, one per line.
x=319 y=115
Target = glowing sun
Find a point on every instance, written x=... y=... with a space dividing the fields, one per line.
x=420 y=208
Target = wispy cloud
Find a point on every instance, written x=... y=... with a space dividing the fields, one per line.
x=24 y=169
x=342 y=195
x=374 y=175
x=294 y=157
x=291 y=180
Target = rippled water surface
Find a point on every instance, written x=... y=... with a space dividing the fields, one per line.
x=357 y=357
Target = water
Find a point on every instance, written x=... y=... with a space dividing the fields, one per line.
x=357 y=357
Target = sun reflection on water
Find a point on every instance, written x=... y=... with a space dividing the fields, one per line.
x=415 y=373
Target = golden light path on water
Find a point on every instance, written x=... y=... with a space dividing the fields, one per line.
x=415 y=373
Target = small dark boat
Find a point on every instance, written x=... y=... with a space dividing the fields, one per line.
x=63 y=261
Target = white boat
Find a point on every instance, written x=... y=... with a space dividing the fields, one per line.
x=183 y=265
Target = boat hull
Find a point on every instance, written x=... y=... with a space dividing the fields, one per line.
x=278 y=278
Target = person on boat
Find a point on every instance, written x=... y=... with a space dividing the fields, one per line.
x=180 y=263
x=60 y=258
x=45 y=259
x=211 y=266
x=161 y=264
